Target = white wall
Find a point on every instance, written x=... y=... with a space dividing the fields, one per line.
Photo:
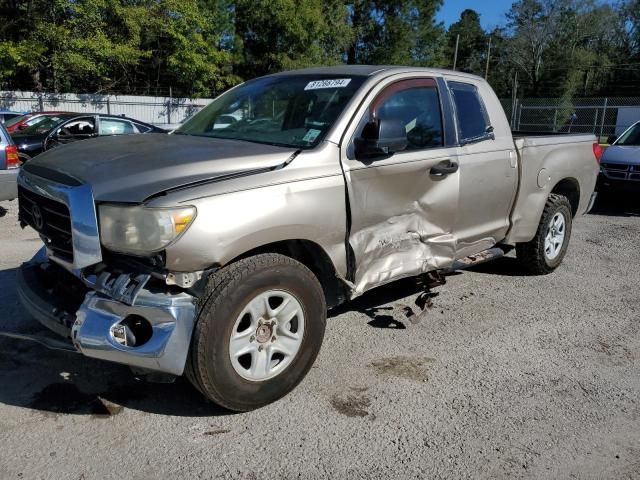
x=147 y=109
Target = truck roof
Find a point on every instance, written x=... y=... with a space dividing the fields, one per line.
x=369 y=70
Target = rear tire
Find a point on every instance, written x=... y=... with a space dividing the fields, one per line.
x=545 y=252
x=258 y=331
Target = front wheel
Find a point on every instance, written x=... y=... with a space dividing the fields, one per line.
x=258 y=331
x=545 y=252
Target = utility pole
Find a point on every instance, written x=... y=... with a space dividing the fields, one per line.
x=455 y=55
x=486 y=70
x=515 y=99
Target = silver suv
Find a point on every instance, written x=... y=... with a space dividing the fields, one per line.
x=9 y=164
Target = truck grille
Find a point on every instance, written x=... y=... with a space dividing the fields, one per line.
x=621 y=171
x=50 y=219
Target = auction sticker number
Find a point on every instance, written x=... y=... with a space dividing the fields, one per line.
x=337 y=83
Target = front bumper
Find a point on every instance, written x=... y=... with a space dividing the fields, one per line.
x=617 y=185
x=90 y=328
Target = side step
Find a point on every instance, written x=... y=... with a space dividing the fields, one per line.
x=477 y=259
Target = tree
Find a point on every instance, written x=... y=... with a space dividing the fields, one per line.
x=274 y=35
x=395 y=32
x=472 y=46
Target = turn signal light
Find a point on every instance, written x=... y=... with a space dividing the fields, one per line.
x=11 y=155
x=597 y=151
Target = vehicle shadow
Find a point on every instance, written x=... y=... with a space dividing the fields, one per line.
x=622 y=204
x=504 y=266
x=375 y=303
x=65 y=383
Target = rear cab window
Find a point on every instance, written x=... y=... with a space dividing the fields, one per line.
x=471 y=114
x=112 y=126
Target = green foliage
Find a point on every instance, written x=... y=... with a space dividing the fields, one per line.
x=472 y=46
x=273 y=35
x=201 y=47
x=395 y=32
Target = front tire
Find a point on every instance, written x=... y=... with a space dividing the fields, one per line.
x=545 y=252
x=258 y=331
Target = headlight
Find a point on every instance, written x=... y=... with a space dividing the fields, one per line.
x=142 y=230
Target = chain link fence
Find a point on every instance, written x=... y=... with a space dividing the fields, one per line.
x=601 y=116
x=162 y=111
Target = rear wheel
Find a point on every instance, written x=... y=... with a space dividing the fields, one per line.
x=546 y=251
x=258 y=332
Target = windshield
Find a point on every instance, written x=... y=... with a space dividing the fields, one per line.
x=292 y=111
x=43 y=125
x=631 y=137
x=14 y=120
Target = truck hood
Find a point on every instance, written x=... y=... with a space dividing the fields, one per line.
x=618 y=154
x=132 y=168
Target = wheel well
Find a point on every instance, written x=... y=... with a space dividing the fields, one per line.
x=314 y=257
x=569 y=188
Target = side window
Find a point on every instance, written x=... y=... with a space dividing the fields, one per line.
x=470 y=111
x=79 y=127
x=142 y=128
x=110 y=126
x=418 y=109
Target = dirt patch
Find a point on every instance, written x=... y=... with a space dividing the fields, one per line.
x=410 y=368
x=353 y=404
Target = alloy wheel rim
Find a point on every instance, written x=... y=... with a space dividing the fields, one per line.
x=267 y=335
x=554 y=239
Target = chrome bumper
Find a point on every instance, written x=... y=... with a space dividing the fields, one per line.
x=91 y=328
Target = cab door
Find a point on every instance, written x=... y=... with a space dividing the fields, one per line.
x=488 y=168
x=403 y=205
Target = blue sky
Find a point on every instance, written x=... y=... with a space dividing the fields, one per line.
x=491 y=11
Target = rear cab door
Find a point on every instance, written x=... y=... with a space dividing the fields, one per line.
x=402 y=214
x=488 y=165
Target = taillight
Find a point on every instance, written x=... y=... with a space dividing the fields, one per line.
x=11 y=154
x=597 y=151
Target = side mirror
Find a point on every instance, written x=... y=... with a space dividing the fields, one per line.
x=22 y=126
x=611 y=139
x=381 y=138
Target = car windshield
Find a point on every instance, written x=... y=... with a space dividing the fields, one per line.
x=14 y=120
x=292 y=111
x=631 y=137
x=43 y=125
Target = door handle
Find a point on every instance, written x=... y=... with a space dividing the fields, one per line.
x=446 y=167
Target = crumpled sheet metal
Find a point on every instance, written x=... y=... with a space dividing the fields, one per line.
x=403 y=246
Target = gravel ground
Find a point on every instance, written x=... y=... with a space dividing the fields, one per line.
x=504 y=376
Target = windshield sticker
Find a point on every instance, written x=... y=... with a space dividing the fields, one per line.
x=318 y=84
x=311 y=135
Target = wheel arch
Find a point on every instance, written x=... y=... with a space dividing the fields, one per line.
x=315 y=258
x=569 y=187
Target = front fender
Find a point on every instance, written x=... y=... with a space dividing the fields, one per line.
x=231 y=224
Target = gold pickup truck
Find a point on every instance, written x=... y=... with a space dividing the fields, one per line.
x=216 y=250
